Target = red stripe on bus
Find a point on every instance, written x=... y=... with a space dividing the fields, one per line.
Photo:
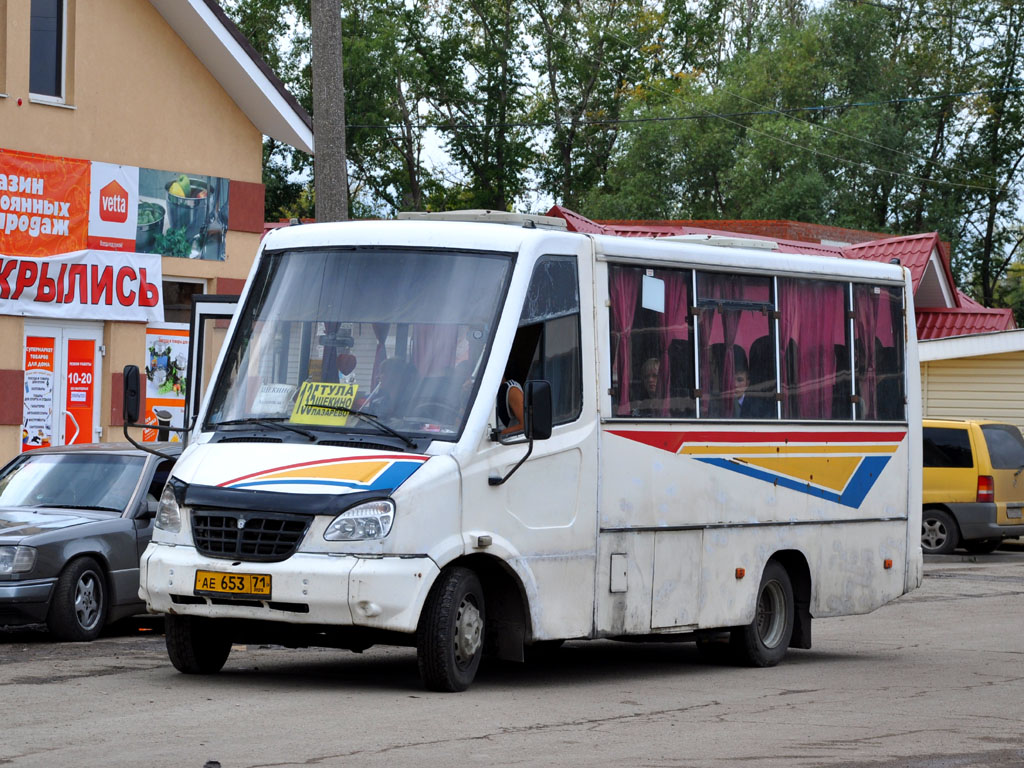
x=665 y=440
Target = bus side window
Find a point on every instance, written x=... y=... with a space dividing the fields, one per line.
x=816 y=373
x=879 y=356
x=547 y=344
x=737 y=346
x=651 y=346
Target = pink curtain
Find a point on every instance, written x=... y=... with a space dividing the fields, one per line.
x=718 y=287
x=623 y=287
x=677 y=317
x=865 y=308
x=433 y=348
x=380 y=330
x=812 y=318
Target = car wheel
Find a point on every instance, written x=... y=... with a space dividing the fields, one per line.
x=78 y=608
x=939 y=534
x=982 y=546
x=196 y=645
x=763 y=642
x=450 y=637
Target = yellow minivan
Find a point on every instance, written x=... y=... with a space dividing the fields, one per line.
x=973 y=485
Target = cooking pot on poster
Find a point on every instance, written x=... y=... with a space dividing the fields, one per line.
x=190 y=211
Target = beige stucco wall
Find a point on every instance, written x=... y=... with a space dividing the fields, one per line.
x=136 y=95
x=988 y=387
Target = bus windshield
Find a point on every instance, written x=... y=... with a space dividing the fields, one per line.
x=375 y=340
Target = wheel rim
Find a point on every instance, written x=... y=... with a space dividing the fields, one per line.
x=88 y=600
x=771 y=614
x=933 y=533
x=469 y=630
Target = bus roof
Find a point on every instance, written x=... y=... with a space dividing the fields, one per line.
x=511 y=238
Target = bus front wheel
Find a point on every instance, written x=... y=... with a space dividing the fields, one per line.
x=450 y=636
x=196 y=645
x=763 y=642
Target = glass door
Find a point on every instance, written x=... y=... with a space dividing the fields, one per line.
x=62 y=395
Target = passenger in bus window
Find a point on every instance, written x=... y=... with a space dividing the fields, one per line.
x=650 y=404
x=749 y=405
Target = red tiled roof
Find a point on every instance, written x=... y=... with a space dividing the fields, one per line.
x=913 y=251
x=940 y=323
x=770 y=229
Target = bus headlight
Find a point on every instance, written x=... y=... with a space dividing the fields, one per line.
x=168 y=513
x=371 y=520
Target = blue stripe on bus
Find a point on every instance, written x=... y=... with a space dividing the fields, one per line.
x=853 y=495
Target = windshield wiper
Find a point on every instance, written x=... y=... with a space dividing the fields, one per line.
x=76 y=506
x=274 y=423
x=369 y=417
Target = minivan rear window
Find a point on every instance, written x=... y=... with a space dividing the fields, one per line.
x=1005 y=445
x=946 y=447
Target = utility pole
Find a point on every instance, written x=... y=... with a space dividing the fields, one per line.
x=330 y=164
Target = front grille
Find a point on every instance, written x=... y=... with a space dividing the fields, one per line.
x=264 y=536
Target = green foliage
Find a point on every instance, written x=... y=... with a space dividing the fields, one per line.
x=680 y=109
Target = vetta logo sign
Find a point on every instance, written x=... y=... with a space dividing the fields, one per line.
x=114 y=203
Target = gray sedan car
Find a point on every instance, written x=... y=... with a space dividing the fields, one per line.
x=74 y=521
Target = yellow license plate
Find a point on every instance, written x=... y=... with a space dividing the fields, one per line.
x=239 y=584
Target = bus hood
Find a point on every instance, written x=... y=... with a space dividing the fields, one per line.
x=291 y=468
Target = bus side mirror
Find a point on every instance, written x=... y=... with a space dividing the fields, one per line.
x=537 y=410
x=536 y=421
x=130 y=408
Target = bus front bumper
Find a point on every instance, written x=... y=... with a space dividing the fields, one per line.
x=338 y=590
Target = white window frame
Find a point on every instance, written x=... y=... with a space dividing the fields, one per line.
x=61 y=100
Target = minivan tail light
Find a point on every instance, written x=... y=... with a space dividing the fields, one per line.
x=986 y=488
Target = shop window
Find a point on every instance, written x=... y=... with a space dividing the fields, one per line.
x=48 y=49
x=178 y=300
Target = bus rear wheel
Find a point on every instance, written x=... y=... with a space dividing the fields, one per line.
x=763 y=642
x=450 y=636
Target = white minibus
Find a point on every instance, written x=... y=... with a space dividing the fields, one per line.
x=480 y=437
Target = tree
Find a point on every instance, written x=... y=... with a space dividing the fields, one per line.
x=476 y=54
x=330 y=165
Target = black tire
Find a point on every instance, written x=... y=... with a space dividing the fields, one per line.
x=981 y=546
x=196 y=645
x=78 y=608
x=764 y=641
x=450 y=636
x=939 y=532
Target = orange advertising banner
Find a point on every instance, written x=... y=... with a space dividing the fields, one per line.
x=44 y=204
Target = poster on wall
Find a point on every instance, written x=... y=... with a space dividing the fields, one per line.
x=52 y=205
x=183 y=215
x=166 y=369
x=44 y=204
x=78 y=410
x=37 y=413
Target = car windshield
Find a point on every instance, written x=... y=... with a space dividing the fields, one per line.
x=328 y=335
x=85 y=481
